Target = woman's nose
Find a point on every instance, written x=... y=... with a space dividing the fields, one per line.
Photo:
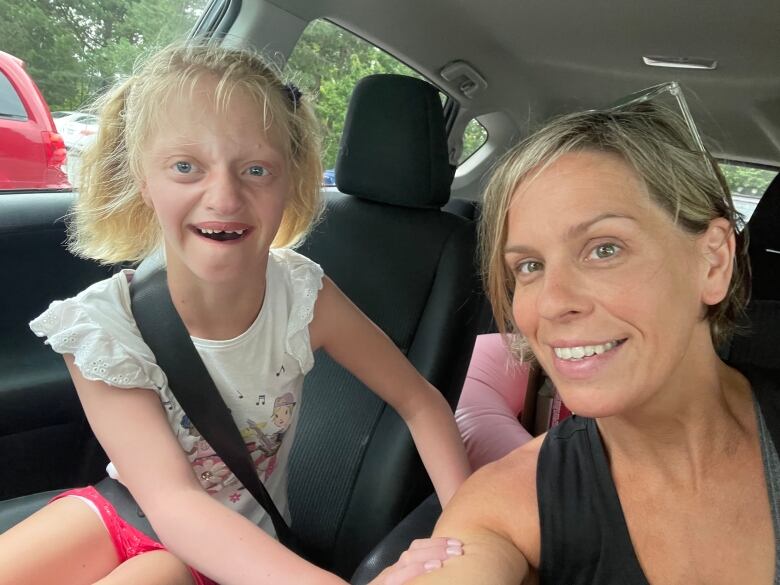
x=564 y=293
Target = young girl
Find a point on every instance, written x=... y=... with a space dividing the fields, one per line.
x=206 y=154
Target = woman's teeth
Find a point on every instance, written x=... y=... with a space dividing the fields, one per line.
x=582 y=351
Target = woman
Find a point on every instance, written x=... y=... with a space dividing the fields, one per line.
x=611 y=252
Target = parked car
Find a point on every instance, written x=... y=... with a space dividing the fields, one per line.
x=77 y=129
x=329 y=178
x=508 y=65
x=32 y=152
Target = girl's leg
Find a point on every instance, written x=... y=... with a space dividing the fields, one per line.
x=157 y=567
x=65 y=542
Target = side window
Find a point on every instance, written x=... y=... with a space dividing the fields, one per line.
x=327 y=63
x=474 y=136
x=747 y=185
x=10 y=104
x=70 y=51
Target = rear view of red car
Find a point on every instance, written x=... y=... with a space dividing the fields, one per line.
x=32 y=153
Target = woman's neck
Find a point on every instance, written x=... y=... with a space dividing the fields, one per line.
x=688 y=425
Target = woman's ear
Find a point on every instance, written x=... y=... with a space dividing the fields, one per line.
x=718 y=245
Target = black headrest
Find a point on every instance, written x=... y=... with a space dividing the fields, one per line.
x=764 y=247
x=394 y=146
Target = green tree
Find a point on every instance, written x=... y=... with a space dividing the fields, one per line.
x=746 y=180
x=74 y=48
x=327 y=63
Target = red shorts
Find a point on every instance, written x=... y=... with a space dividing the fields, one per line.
x=128 y=541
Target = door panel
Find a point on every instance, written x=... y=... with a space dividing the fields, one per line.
x=45 y=442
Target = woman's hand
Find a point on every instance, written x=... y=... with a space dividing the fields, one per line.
x=423 y=556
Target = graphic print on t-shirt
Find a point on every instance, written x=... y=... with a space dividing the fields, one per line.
x=262 y=440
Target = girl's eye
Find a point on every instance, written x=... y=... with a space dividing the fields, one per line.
x=528 y=267
x=604 y=251
x=183 y=167
x=257 y=171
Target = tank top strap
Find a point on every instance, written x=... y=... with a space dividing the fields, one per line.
x=584 y=536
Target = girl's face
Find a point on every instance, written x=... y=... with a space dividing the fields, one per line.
x=217 y=180
x=609 y=292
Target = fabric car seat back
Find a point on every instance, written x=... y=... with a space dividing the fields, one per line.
x=759 y=339
x=354 y=471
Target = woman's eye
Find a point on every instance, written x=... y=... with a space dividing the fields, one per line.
x=529 y=266
x=604 y=251
x=183 y=167
x=257 y=171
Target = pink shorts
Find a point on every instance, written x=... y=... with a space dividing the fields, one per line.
x=128 y=541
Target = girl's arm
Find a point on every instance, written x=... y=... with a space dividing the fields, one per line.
x=361 y=347
x=131 y=426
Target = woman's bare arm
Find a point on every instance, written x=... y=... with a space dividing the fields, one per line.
x=496 y=517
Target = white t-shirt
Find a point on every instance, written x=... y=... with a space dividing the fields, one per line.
x=259 y=373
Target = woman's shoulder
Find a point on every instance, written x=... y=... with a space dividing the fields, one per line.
x=97 y=327
x=501 y=497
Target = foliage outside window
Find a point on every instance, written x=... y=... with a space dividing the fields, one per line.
x=327 y=62
x=747 y=185
x=474 y=137
x=75 y=48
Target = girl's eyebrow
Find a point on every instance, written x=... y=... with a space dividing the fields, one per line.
x=573 y=231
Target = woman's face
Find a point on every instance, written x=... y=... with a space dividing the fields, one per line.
x=609 y=292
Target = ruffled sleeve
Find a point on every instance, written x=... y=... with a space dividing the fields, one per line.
x=98 y=328
x=304 y=278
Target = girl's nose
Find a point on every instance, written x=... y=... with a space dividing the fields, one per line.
x=223 y=193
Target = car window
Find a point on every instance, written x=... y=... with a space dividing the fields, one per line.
x=327 y=63
x=86 y=47
x=10 y=104
x=474 y=136
x=747 y=184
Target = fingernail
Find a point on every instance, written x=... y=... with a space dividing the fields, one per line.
x=454 y=551
x=431 y=565
x=454 y=542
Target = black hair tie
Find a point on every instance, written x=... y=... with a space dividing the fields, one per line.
x=293 y=94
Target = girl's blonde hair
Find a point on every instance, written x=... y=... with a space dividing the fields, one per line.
x=110 y=221
x=658 y=145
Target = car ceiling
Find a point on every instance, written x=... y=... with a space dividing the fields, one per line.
x=546 y=57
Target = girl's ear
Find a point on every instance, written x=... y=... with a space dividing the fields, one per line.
x=144 y=191
x=717 y=244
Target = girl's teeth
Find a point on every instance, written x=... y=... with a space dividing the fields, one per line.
x=582 y=351
x=209 y=231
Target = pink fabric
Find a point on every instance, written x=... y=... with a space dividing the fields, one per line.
x=128 y=540
x=491 y=401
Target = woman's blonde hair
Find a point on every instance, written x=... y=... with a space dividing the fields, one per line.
x=658 y=145
x=110 y=221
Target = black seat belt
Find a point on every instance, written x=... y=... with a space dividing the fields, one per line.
x=163 y=331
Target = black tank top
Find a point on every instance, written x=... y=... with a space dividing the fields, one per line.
x=584 y=536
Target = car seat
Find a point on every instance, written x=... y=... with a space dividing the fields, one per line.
x=759 y=340
x=384 y=240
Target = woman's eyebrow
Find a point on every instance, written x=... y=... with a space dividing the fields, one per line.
x=572 y=232
x=580 y=228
